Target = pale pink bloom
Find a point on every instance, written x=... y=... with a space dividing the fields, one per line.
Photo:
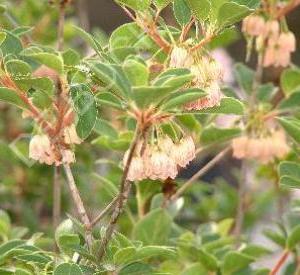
x=166 y=144
x=272 y=29
x=40 y=149
x=287 y=42
x=226 y=63
x=160 y=166
x=70 y=135
x=213 y=99
x=180 y=58
x=269 y=57
x=184 y=152
x=253 y=25
x=263 y=149
x=67 y=156
x=136 y=168
x=283 y=58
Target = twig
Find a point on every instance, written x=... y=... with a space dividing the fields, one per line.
x=186 y=30
x=280 y=262
x=239 y=219
x=56 y=197
x=56 y=200
x=287 y=9
x=104 y=211
x=122 y=197
x=203 y=42
x=79 y=204
x=200 y=173
x=61 y=26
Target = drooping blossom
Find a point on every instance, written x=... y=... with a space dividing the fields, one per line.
x=253 y=25
x=180 y=58
x=41 y=150
x=264 y=149
x=70 y=135
x=226 y=63
x=161 y=160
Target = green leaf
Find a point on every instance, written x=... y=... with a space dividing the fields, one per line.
x=200 y=8
x=292 y=127
x=5 y=225
x=85 y=108
x=229 y=105
x=152 y=251
x=154 y=228
x=136 y=72
x=2 y=9
x=144 y=96
x=293 y=101
x=231 y=13
x=182 y=97
x=41 y=99
x=275 y=237
x=208 y=260
x=235 y=261
x=11 y=45
x=289 y=174
x=40 y=83
x=290 y=81
x=67 y=269
x=125 y=35
x=256 y=251
x=138 y=5
x=89 y=39
x=10 y=96
x=109 y=99
x=136 y=269
x=161 y=4
x=124 y=255
x=17 y=68
x=245 y=77
x=112 y=78
x=182 y=12
x=51 y=60
x=104 y=128
x=293 y=238
x=2 y=37
x=71 y=57
x=212 y=134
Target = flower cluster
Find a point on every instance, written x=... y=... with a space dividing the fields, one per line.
x=207 y=75
x=160 y=161
x=277 y=45
x=43 y=150
x=263 y=149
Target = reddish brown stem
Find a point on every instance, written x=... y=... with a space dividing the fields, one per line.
x=280 y=263
x=287 y=9
x=203 y=42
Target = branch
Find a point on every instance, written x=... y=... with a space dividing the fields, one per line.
x=280 y=262
x=200 y=173
x=79 y=204
x=122 y=197
x=56 y=211
x=104 y=211
x=288 y=8
x=203 y=42
x=186 y=30
x=61 y=25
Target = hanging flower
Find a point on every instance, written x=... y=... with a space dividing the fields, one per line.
x=263 y=149
x=253 y=25
x=160 y=161
x=40 y=149
x=70 y=135
x=180 y=58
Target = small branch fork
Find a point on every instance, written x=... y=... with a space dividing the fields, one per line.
x=121 y=201
x=288 y=8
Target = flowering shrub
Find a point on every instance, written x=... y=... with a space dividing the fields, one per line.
x=151 y=99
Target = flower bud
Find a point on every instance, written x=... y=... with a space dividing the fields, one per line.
x=70 y=135
x=180 y=58
x=253 y=25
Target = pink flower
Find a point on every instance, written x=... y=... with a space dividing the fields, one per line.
x=213 y=99
x=40 y=149
x=269 y=57
x=272 y=29
x=287 y=42
x=68 y=156
x=70 y=135
x=180 y=58
x=184 y=152
x=253 y=25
